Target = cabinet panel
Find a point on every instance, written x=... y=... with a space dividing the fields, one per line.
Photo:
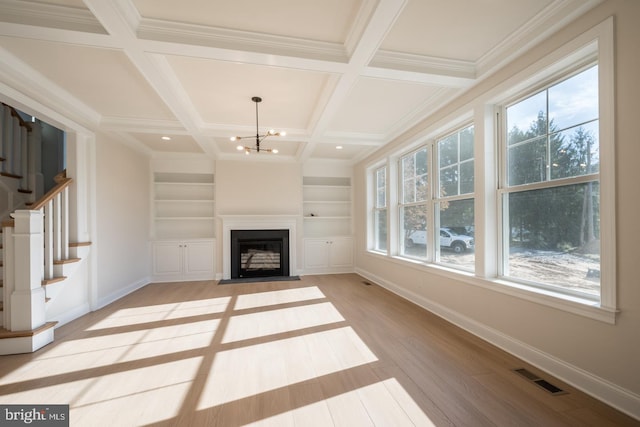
x=198 y=257
x=178 y=260
x=341 y=252
x=167 y=258
x=316 y=254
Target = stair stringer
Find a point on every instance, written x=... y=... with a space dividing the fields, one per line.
x=69 y=298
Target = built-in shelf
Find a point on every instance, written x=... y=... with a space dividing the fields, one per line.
x=184 y=205
x=326 y=206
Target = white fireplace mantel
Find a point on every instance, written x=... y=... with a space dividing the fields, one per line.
x=257 y=222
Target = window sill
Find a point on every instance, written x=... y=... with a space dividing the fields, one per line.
x=571 y=304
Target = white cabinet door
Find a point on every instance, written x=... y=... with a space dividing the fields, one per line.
x=316 y=253
x=198 y=257
x=167 y=258
x=341 y=252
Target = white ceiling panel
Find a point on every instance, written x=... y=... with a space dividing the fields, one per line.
x=222 y=92
x=375 y=106
x=176 y=143
x=458 y=29
x=103 y=79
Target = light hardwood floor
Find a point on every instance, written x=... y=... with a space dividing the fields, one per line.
x=322 y=351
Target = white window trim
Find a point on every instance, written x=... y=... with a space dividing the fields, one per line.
x=595 y=45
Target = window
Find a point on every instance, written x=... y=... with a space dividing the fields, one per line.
x=380 y=210
x=414 y=185
x=454 y=203
x=550 y=187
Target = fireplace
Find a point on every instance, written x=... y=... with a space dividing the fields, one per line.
x=259 y=253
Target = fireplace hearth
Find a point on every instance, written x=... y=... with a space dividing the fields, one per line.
x=259 y=253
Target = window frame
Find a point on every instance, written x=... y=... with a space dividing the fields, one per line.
x=377 y=210
x=437 y=198
x=401 y=204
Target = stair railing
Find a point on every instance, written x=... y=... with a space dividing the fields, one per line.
x=33 y=241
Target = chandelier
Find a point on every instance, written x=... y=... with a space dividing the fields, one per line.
x=259 y=137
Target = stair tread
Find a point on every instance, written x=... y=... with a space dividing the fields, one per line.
x=4 y=333
x=66 y=261
x=53 y=280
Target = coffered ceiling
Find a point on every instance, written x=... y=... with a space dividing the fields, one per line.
x=332 y=73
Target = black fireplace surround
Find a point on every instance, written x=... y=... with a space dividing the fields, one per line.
x=259 y=253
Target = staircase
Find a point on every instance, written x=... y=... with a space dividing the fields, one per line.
x=37 y=257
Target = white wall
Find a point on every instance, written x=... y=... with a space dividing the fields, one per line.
x=600 y=357
x=258 y=188
x=122 y=219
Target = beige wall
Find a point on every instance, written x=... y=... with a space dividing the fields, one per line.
x=608 y=353
x=122 y=219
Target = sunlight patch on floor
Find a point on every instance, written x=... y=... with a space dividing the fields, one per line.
x=130 y=397
x=251 y=370
x=79 y=355
x=264 y=299
x=136 y=396
x=128 y=338
x=271 y=322
x=155 y=313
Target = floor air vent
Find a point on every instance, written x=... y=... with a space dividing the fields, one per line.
x=546 y=385
x=366 y=283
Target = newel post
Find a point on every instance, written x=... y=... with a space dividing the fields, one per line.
x=28 y=297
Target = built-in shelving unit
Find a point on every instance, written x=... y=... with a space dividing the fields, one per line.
x=328 y=241
x=184 y=205
x=327 y=206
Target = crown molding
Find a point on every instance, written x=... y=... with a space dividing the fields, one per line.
x=553 y=17
x=193 y=34
x=49 y=15
x=464 y=70
x=122 y=124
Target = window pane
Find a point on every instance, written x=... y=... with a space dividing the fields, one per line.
x=414 y=231
x=457 y=243
x=448 y=150
x=381 y=230
x=528 y=162
x=456 y=163
x=409 y=191
x=553 y=237
x=421 y=162
x=381 y=189
x=466 y=178
x=574 y=101
x=466 y=143
x=449 y=181
x=575 y=151
x=527 y=119
x=414 y=177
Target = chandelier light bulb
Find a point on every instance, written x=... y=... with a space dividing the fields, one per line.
x=233 y=138
x=239 y=148
x=274 y=151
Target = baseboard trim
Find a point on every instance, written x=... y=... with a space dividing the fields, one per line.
x=70 y=315
x=114 y=296
x=599 y=388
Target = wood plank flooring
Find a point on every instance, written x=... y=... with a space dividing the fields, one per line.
x=323 y=351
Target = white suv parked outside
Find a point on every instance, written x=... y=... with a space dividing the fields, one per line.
x=448 y=239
